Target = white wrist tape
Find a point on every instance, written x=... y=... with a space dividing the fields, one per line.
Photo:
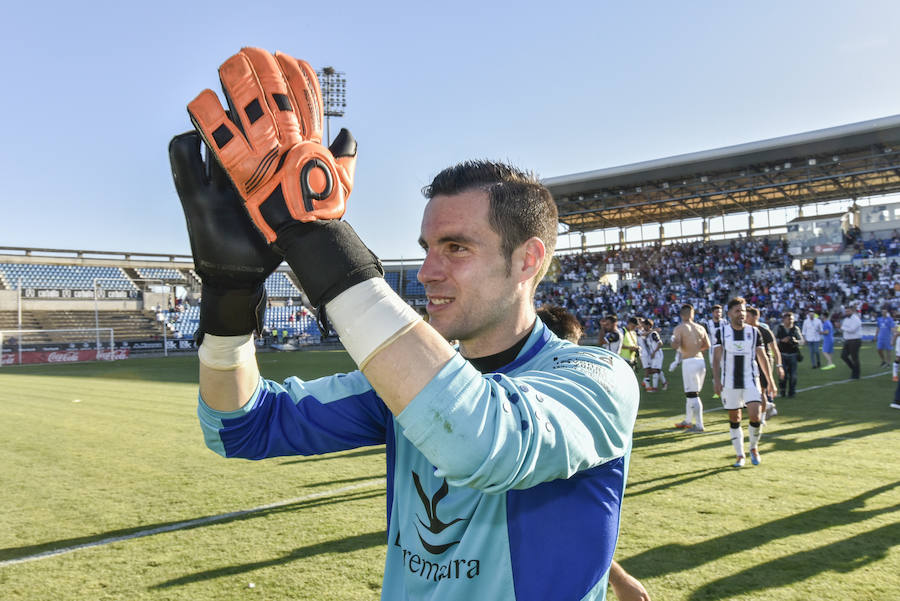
x=226 y=352
x=369 y=316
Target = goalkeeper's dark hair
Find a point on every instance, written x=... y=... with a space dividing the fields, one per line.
x=520 y=206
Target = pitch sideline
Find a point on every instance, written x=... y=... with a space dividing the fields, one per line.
x=191 y=523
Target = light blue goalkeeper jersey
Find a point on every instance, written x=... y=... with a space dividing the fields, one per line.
x=500 y=486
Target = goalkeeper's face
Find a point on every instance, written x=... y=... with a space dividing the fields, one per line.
x=472 y=295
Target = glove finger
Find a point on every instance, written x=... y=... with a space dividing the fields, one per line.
x=246 y=99
x=344 y=151
x=277 y=96
x=219 y=132
x=188 y=169
x=307 y=95
x=218 y=177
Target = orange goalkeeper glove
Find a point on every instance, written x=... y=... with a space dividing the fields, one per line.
x=271 y=143
x=294 y=189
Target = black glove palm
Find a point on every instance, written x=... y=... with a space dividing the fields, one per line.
x=230 y=256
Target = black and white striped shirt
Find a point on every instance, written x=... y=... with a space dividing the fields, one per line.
x=739 y=368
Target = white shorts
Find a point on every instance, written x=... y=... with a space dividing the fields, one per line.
x=737 y=398
x=656 y=361
x=693 y=372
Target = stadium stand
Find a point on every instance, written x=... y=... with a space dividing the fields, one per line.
x=127 y=325
x=413 y=287
x=654 y=281
x=71 y=277
x=818 y=261
x=279 y=285
x=156 y=273
x=278 y=319
x=393 y=280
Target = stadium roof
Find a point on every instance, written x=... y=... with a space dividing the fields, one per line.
x=849 y=161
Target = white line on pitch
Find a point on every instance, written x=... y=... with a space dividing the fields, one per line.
x=190 y=523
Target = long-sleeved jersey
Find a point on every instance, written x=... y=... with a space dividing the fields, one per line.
x=501 y=486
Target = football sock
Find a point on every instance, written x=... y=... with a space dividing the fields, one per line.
x=698 y=411
x=753 y=433
x=655 y=380
x=687 y=410
x=737 y=438
x=662 y=376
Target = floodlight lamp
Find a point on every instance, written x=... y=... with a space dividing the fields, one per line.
x=812 y=162
x=835 y=158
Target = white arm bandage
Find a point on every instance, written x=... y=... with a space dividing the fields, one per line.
x=226 y=352
x=369 y=316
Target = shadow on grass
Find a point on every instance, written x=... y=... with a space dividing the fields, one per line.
x=779 y=438
x=674 y=480
x=379 y=450
x=345 y=480
x=843 y=555
x=11 y=554
x=342 y=545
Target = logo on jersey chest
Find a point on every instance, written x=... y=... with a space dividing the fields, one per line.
x=436 y=535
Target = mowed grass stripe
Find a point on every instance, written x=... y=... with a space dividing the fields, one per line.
x=817 y=519
x=193 y=523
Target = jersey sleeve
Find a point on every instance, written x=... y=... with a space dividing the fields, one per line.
x=496 y=432
x=298 y=418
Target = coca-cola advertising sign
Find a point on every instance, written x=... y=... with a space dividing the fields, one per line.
x=69 y=356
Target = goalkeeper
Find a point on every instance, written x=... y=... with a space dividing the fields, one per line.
x=506 y=455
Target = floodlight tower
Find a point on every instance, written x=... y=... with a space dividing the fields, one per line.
x=334 y=96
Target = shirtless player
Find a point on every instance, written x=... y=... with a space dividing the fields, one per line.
x=690 y=340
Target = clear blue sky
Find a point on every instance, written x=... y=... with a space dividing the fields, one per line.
x=93 y=91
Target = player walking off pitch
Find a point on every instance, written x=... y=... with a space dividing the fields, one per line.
x=739 y=353
x=689 y=341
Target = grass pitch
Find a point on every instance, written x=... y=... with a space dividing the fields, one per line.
x=109 y=493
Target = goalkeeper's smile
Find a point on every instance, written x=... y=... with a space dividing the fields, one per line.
x=472 y=295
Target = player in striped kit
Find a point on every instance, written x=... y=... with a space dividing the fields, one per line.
x=713 y=325
x=738 y=354
x=652 y=357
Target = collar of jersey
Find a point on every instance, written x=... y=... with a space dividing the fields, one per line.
x=539 y=337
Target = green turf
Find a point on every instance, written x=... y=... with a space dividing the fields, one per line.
x=818 y=520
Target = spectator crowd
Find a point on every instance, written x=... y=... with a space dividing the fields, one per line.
x=654 y=281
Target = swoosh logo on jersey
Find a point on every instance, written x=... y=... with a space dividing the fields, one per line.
x=434 y=525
